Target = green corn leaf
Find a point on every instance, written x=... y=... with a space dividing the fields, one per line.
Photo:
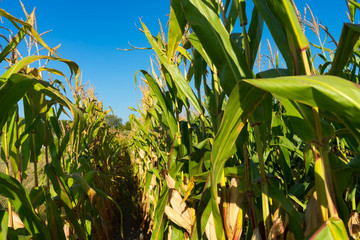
x=20 y=201
x=160 y=217
x=57 y=72
x=200 y=68
x=197 y=45
x=301 y=118
x=217 y=43
x=352 y=7
x=74 y=68
x=294 y=216
x=28 y=27
x=55 y=175
x=255 y=34
x=4 y=217
x=78 y=121
x=167 y=111
x=271 y=73
x=8 y=148
x=242 y=102
x=232 y=17
x=55 y=223
x=285 y=12
x=285 y=165
x=277 y=31
x=177 y=25
x=15 y=40
x=332 y=229
x=185 y=90
x=348 y=38
x=328 y=93
x=11 y=92
x=37 y=196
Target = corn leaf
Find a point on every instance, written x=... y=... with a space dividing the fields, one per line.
x=177 y=25
x=28 y=27
x=15 y=40
x=4 y=217
x=217 y=43
x=159 y=220
x=333 y=228
x=348 y=38
x=55 y=223
x=242 y=102
x=55 y=175
x=255 y=34
x=276 y=29
x=164 y=104
x=17 y=195
x=186 y=92
x=328 y=93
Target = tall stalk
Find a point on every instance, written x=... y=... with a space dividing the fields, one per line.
x=264 y=184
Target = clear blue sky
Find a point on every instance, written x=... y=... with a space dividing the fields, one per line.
x=91 y=31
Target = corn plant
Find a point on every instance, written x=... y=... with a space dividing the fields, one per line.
x=226 y=152
x=70 y=198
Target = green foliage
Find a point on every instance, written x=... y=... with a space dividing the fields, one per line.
x=252 y=154
x=74 y=194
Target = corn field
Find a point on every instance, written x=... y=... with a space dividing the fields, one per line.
x=226 y=150
x=228 y=142
x=75 y=165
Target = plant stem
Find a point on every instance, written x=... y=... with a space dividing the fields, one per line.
x=46 y=151
x=7 y=173
x=35 y=160
x=305 y=61
x=323 y=181
x=217 y=92
x=264 y=184
x=248 y=187
x=18 y=157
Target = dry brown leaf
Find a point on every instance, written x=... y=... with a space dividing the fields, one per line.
x=233 y=210
x=177 y=218
x=354 y=225
x=17 y=223
x=256 y=234
x=210 y=228
x=178 y=206
x=277 y=230
x=141 y=153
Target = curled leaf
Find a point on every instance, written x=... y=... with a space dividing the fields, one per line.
x=354 y=225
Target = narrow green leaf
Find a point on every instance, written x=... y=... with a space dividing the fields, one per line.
x=277 y=31
x=352 y=9
x=20 y=201
x=348 y=38
x=55 y=223
x=15 y=40
x=177 y=25
x=28 y=26
x=242 y=102
x=4 y=216
x=182 y=85
x=255 y=34
x=160 y=217
x=169 y=115
x=285 y=13
x=294 y=216
x=216 y=41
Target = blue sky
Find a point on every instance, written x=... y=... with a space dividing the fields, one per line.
x=91 y=31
